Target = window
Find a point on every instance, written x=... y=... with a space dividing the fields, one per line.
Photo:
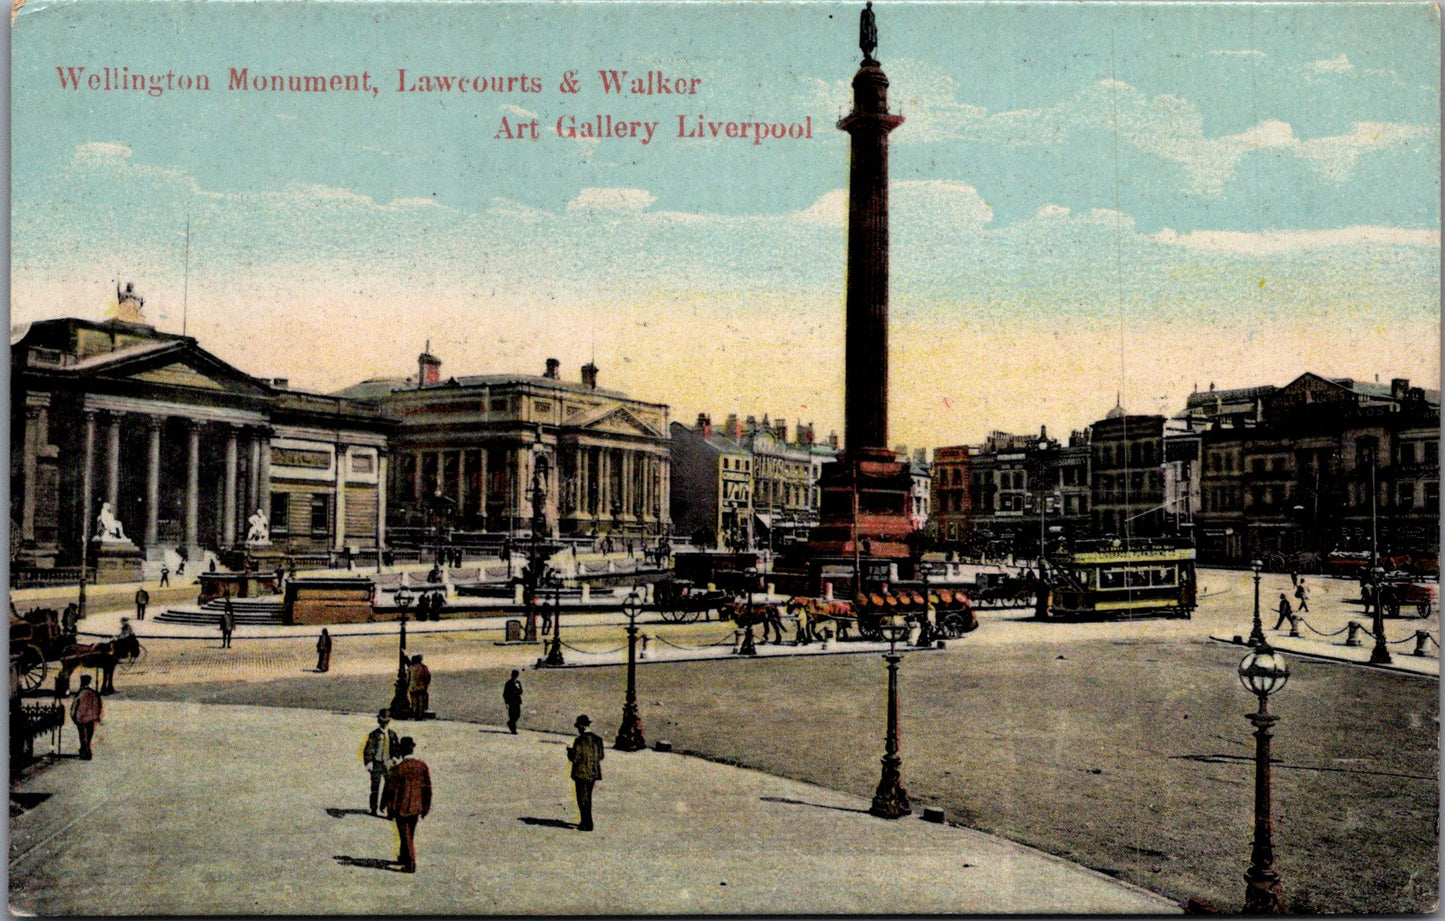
x=320 y=514
x=499 y=404
x=1432 y=495
x=362 y=463
x=280 y=512
x=1405 y=495
x=1407 y=453
x=1432 y=452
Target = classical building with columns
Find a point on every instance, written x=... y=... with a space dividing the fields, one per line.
x=183 y=447
x=478 y=441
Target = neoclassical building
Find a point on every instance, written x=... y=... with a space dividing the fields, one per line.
x=183 y=447
x=476 y=442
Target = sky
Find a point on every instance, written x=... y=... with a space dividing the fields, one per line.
x=1089 y=201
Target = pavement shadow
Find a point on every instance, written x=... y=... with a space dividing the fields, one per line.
x=496 y=732
x=799 y=802
x=368 y=863
x=339 y=813
x=546 y=823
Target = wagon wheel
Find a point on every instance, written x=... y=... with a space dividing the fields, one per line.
x=1423 y=608
x=673 y=615
x=30 y=667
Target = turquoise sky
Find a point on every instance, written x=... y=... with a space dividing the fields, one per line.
x=1087 y=198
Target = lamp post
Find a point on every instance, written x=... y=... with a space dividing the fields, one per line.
x=629 y=734
x=554 y=654
x=401 y=696
x=534 y=573
x=891 y=800
x=1263 y=672
x=1256 y=636
x=748 y=648
x=1380 y=655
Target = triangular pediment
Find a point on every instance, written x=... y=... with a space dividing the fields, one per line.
x=179 y=374
x=180 y=364
x=618 y=420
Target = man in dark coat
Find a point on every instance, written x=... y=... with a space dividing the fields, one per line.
x=586 y=754
x=512 y=697
x=142 y=598
x=1286 y=612
x=408 y=799
x=86 y=711
x=379 y=754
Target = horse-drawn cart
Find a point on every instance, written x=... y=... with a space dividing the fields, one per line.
x=681 y=602
x=37 y=638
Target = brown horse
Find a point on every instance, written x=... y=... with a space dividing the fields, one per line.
x=93 y=655
x=768 y=616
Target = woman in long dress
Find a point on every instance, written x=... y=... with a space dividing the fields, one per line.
x=323 y=651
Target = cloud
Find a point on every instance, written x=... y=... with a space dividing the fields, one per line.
x=97 y=152
x=1240 y=53
x=1339 y=64
x=1267 y=243
x=1334 y=157
x=612 y=199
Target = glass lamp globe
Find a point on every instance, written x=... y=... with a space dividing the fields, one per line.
x=1263 y=672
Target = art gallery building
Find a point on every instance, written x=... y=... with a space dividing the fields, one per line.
x=184 y=448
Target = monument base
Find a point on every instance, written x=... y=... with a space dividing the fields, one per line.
x=116 y=561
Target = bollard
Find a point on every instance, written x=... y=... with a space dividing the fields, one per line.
x=827 y=591
x=1294 y=627
x=517 y=594
x=647 y=593
x=1421 y=638
x=771 y=586
x=737 y=641
x=586 y=592
x=1354 y=637
x=642 y=653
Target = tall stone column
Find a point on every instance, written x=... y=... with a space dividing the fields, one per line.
x=228 y=498
x=342 y=461
x=33 y=416
x=153 y=480
x=253 y=478
x=866 y=369
x=416 y=476
x=380 y=501
x=461 y=480
x=263 y=474
x=112 y=464
x=87 y=482
x=483 y=486
x=193 y=486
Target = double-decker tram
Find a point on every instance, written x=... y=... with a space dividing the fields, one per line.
x=1123 y=579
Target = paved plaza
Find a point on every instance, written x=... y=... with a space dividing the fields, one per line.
x=193 y=809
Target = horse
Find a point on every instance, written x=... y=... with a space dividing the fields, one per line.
x=812 y=612
x=768 y=616
x=93 y=655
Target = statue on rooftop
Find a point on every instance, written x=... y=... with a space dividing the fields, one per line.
x=867 y=33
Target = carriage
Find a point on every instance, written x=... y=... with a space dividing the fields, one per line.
x=1402 y=592
x=37 y=637
x=679 y=601
x=1002 y=590
x=953 y=612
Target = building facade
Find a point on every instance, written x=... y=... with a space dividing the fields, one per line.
x=711 y=486
x=478 y=447
x=178 y=447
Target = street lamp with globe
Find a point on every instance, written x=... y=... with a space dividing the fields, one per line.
x=1263 y=672
x=401 y=694
x=1256 y=635
x=891 y=800
x=629 y=734
x=1380 y=655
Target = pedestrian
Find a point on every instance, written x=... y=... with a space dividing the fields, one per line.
x=407 y=796
x=165 y=577
x=546 y=613
x=69 y=618
x=86 y=712
x=379 y=755
x=438 y=601
x=228 y=623
x=512 y=697
x=419 y=688
x=1293 y=578
x=586 y=754
x=323 y=651
x=1302 y=594
x=142 y=598
x=1286 y=613
x=181 y=557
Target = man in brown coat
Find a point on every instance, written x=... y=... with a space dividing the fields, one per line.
x=86 y=712
x=586 y=754
x=419 y=688
x=408 y=799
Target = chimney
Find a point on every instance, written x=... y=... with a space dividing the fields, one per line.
x=805 y=434
x=1399 y=386
x=833 y=440
x=428 y=368
x=752 y=424
x=1043 y=433
x=552 y=366
x=589 y=376
x=704 y=425
x=780 y=429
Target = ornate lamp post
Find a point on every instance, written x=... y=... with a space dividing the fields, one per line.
x=535 y=565
x=554 y=653
x=891 y=800
x=1380 y=655
x=1263 y=672
x=401 y=696
x=1256 y=636
x=629 y=734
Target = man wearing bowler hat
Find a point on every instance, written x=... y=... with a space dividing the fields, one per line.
x=586 y=755
x=407 y=797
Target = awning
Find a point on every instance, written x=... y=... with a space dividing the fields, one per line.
x=765 y=518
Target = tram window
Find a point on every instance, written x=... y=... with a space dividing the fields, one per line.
x=1138 y=578
x=1111 y=578
x=1163 y=577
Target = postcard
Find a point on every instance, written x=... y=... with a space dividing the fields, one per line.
x=650 y=458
